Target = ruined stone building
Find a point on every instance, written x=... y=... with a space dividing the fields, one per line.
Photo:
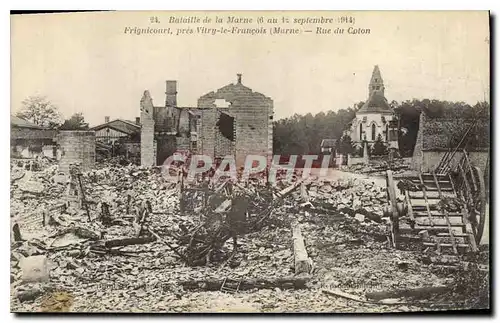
x=28 y=140
x=231 y=121
x=66 y=146
x=376 y=117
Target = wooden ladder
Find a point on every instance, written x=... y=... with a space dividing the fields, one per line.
x=426 y=199
x=445 y=212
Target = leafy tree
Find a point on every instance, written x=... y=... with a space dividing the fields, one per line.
x=345 y=146
x=40 y=111
x=303 y=134
x=76 y=122
x=379 y=147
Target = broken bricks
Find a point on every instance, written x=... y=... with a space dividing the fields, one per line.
x=276 y=252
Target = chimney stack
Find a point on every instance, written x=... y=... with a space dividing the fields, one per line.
x=106 y=119
x=138 y=121
x=171 y=94
x=239 y=78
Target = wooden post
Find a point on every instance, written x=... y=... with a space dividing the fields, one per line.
x=17 y=233
x=83 y=200
x=303 y=193
x=181 y=192
x=392 y=201
x=302 y=261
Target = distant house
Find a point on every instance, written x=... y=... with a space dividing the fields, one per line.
x=111 y=131
x=27 y=140
x=438 y=135
x=328 y=145
x=118 y=137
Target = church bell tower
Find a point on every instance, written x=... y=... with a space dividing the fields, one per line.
x=376 y=82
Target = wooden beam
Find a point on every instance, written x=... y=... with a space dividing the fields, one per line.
x=301 y=259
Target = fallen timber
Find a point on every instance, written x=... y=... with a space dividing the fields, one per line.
x=301 y=259
x=128 y=241
x=419 y=293
x=285 y=283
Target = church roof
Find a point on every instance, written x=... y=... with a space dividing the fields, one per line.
x=376 y=103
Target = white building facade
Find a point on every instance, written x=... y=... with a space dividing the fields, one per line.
x=376 y=117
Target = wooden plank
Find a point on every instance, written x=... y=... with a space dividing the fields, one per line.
x=467 y=225
x=128 y=241
x=301 y=259
x=418 y=292
x=392 y=199
x=474 y=184
x=437 y=222
x=223 y=207
x=469 y=199
x=443 y=189
x=410 y=210
x=437 y=213
x=458 y=235
x=303 y=193
x=284 y=192
x=248 y=284
x=425 y=196
x=435 y=230
x=339 y=293
x=433 y=244
x=425 y=200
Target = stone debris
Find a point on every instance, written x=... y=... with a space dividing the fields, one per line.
x=359 y=217
x=129 y=255
x=378 y=167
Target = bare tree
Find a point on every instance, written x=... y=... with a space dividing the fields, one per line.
x=40 y=111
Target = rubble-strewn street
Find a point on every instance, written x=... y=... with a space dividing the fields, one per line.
x=106 y=260
x=243 y=161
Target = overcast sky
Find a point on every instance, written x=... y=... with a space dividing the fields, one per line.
x=84 y=62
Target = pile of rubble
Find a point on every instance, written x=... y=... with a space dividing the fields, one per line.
x=135 y=242
x=379 y=167
x=357 y=198
x=72 y=237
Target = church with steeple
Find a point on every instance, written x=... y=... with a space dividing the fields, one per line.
x=376 y=117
